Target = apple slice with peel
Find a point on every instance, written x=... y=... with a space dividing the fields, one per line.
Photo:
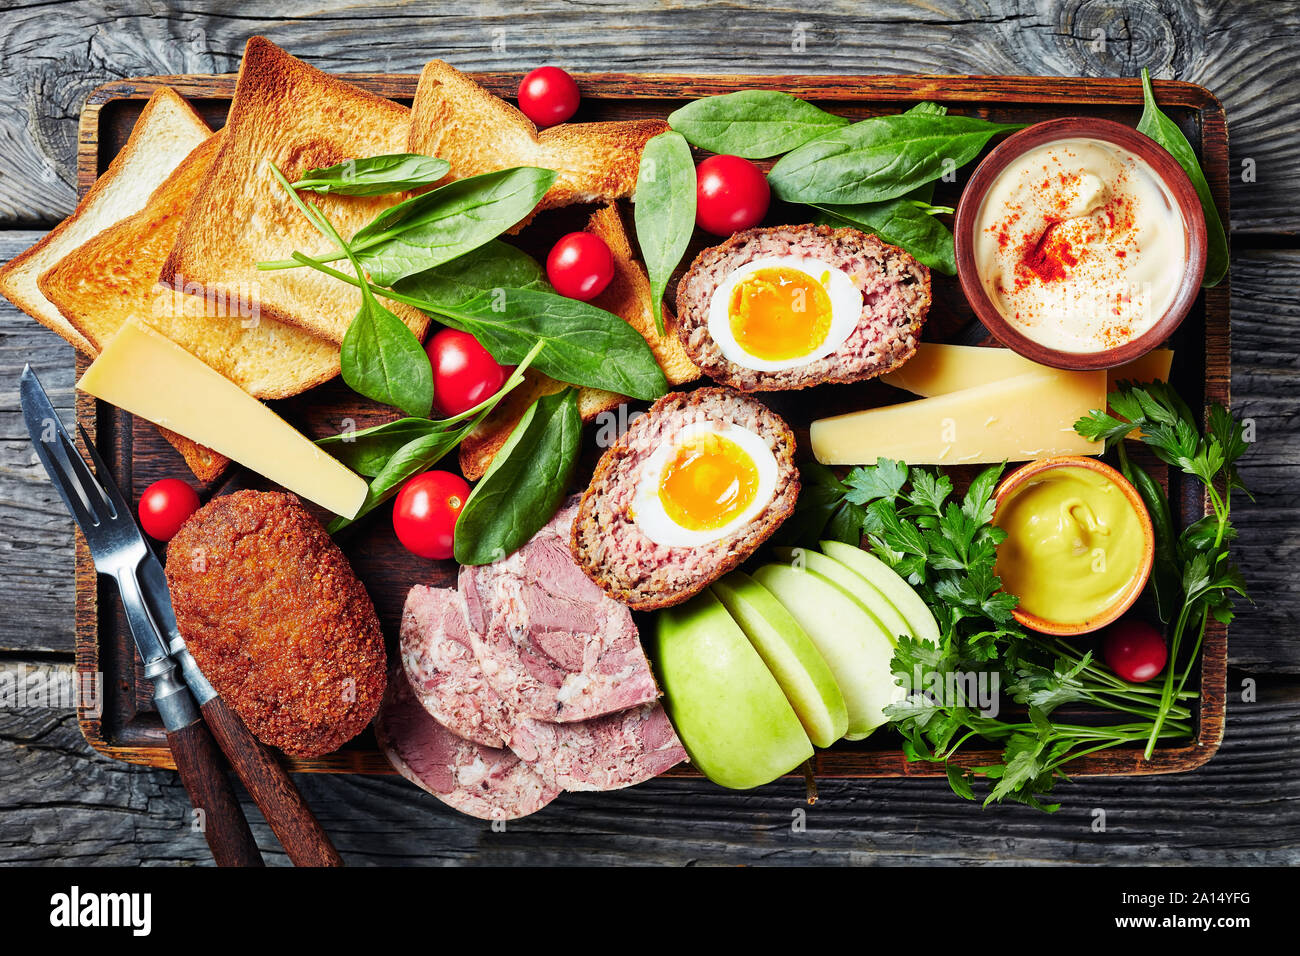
x=863 y=591
x=889 y=583
x=789 y=654
x=728 y=709
x=853 y=643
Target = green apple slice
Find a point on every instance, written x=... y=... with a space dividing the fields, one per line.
x=854 y=644
x=863 y=591
x=889 y=583
x=789 y=654
x=728 y=709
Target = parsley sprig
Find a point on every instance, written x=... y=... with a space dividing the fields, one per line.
x=1194 y=573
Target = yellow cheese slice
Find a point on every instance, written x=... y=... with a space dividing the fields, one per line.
x=1152 y=367
x=939 y=369
x=1014 y=419
x=149 y=375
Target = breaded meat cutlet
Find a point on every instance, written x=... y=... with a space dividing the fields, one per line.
x=277 y=621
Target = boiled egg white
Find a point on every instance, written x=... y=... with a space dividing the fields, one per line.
x=782 y=312
x=708 y=481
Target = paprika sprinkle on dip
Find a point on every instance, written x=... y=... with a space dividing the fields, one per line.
x=1080 y=245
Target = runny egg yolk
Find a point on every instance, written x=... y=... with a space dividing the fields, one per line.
x=780 y=313
x=707 y=482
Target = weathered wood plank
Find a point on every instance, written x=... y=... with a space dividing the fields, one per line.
x=36 y=562
x=49 y=62
x=66 y=804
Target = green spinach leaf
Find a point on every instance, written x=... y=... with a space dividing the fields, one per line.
x=906 y=222
x=525 y=483
x=380 y=357
x=583 y=345
x=375 y=175
x=438 y=226
x=367 y=451
x=754 y=124
x=880 y=158
x=664 y=211
x=493 y=265
x=1155 y=124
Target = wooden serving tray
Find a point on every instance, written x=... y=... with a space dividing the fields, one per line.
x=129 y=729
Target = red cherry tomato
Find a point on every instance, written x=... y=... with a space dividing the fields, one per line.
x=1134 y=650
x=548 y=96
x=165 y=506
x=464 y=372
x=580 y=266
x=730 y=194
x=425 y=513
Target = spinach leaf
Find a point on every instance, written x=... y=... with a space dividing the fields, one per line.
x=905 y=222
x=438 y=226
x=420 y=452
x=1165 y=131
x=583 y=345
x=524 y=485
x=375 y=175
x=380 y=357
x=664 y=211
x=367 y=451
x=754 y=124
x=880 y=158
x=493 y=265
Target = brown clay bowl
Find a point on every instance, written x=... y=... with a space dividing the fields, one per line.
x=1165 y=166
x=1130 y=594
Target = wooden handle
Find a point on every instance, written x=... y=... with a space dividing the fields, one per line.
x=272 y=789
x=203 y=774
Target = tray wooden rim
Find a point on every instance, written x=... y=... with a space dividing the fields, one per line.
x=152 y=751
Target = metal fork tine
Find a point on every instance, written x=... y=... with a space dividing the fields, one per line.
x=105 y=477
x=97 y=499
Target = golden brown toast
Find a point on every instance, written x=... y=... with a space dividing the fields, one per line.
x=166 y=132
x=627 y=296
x=455 y=119
x=298 y=118
x=114 y=276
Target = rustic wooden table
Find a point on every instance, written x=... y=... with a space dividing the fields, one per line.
x=60 y=802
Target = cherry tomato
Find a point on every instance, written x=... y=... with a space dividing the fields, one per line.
x=425 y=513
x=1134 y=650
x=580 y=266
x=165 y=506
x=548 y=96
x=730 y=194
x=464 y=372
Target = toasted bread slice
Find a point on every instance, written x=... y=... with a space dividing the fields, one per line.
x=293 y=115
x=628 y=296
x=114 y=276
x=455 y=119
x=166 y=132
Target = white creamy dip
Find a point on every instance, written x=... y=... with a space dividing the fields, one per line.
x=1080 y=245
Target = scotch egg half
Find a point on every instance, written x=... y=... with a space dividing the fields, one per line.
x=709 y=481
x=782 y=312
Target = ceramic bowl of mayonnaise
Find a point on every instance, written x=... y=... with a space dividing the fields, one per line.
x=1079 y=544
x=1080 y=243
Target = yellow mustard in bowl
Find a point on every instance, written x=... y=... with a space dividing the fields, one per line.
x=1077 y=549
